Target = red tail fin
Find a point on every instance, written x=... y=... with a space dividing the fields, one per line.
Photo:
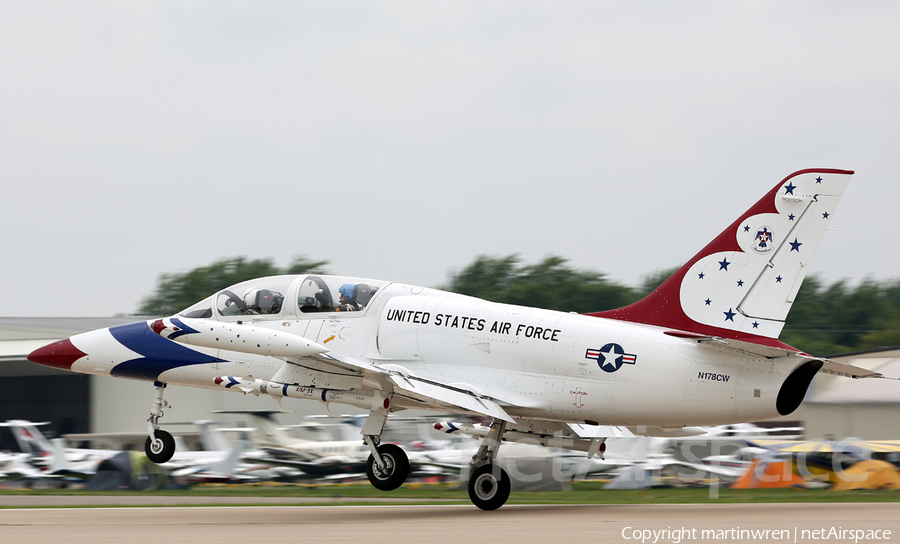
x=743 y=283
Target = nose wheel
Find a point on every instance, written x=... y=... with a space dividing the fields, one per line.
x=161 y=447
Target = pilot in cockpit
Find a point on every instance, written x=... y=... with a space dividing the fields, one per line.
x=348 y=300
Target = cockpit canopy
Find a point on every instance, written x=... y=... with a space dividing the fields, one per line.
x=279 y=296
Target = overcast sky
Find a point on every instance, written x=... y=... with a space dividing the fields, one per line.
x=399 y=140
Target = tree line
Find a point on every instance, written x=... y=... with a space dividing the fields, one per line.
x=824 y=320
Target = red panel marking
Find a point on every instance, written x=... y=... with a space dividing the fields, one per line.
x=58 y=355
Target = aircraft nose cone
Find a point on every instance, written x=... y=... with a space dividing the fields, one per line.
x=58 y=355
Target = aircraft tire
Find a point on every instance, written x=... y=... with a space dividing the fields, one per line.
x=162 y=449
x=486 y=490
x=396 y=469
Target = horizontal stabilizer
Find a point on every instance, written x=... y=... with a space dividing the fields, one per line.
x=737 y=346
x=850 y=371
x=771 y=352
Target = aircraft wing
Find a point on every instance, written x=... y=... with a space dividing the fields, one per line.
x=428 y=390
x=402 y=381
x=330 y=371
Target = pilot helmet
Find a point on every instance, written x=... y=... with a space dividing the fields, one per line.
x=263 y=300
x=347 y=290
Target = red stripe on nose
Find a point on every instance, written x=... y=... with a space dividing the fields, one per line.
x=58 y=355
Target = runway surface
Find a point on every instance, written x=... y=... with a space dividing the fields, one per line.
x=433 y=524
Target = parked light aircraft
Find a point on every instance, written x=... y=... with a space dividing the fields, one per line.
x=28 y=437
x=729 y=467
x=315 y=458
x=652 y=454
x=54 y=458
x=619 y=451
x=18 y=466
x=702 y=349
x=222 y=470
x=268 y=436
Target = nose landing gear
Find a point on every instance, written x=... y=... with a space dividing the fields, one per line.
x=160 y=448
x=160 y=445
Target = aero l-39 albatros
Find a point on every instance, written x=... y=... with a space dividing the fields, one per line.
x=702 y=349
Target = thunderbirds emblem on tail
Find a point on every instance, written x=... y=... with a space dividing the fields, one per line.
x=763 y=243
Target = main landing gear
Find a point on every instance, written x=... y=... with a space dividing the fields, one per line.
x=160 y=445
x=393 y=469
x=489 y=484
x=388 y=465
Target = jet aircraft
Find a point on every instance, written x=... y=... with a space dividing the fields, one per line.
x=702 y=349
x=268 y=436
x=57 y=460
x=54 y=458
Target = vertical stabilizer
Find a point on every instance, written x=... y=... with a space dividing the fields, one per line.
x=228 y=465
x=29 y=438
x=211 y=437
x=60 y=462
x=742 y=284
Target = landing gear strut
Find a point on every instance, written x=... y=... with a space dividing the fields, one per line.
x=388 y=465
x=159 y=446
x=489 y=485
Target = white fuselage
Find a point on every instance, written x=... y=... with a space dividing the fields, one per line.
x=539 y=364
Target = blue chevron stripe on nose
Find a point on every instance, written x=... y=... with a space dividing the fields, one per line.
x=159 y=354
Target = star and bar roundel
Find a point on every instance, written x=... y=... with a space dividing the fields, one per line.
x=611 y=357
